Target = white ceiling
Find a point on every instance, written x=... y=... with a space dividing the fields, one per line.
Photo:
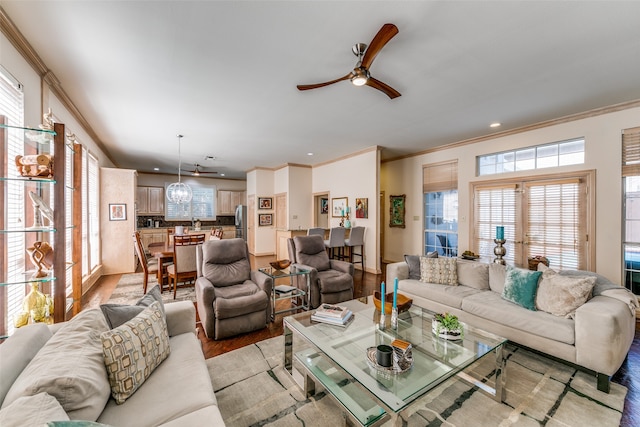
x=224 y=73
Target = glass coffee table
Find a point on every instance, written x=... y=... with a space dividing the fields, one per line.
x=297 y=296
x=336 y=358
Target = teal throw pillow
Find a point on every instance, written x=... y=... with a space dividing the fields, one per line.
x=520 y=287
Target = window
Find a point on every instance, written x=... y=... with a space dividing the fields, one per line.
x=440 y=187
x=12 y=106
x=542 y=156
x=201 y=206
x=545 y=217
x=631 y=208
x=90 y=213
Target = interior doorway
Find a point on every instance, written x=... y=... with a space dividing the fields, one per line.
x=321 y=210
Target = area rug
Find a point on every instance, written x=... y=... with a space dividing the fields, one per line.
x=129 y=290
x=253 y=389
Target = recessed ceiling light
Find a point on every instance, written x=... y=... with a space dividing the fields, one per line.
x=221 y=174
x=309 y=154
x=156 y=169
x=495 y=125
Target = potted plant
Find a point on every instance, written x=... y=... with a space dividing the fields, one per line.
x=447 y=326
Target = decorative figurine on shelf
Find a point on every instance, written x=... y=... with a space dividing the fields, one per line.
x=41 y=254
x=35 y=166
x=40 y=209
x=36 y=308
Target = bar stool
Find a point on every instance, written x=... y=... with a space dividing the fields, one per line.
x=319 y=231
x=336 y=241
x=356 y=238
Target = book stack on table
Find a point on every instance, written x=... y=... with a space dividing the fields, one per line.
x=333 y=314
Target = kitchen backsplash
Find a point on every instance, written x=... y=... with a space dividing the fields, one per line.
x=220 y=220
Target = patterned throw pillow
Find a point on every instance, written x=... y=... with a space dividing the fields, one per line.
x=520 y=287
x=439 y=270
x=133 y=350
x=413 y=261
x=562 y=295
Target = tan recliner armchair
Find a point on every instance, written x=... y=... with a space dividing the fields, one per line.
x=331 y=280
x=231 y=298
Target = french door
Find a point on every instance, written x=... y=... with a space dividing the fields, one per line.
x=547 y=216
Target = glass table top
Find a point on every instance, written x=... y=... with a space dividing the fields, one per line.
x=435 y=359
x=285 y=272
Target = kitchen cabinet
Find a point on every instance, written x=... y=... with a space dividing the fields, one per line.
x=228 y=200
x=152 y=235
x=282 y=249
x=150 y=200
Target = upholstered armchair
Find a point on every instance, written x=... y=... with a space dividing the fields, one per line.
x=231 y=298
x=331 y=280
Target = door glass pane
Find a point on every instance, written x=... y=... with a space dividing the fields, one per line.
x=441 y=222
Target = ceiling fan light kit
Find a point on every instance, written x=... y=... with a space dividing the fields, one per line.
x=179 y=192
x=360 y=76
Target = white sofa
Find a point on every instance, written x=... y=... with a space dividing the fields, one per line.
x=177 y=393
x=598 y=338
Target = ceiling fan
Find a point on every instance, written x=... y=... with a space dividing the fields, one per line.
x=197 y=171
x=360 y=75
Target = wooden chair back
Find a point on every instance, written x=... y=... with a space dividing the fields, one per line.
x=184 y=251
x=216 y=234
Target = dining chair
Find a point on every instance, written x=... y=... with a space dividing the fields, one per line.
x=335 y=243
x=317 y=230
x=356 y=238
x=170 y=232
x=216 y=234
x=184 y=259
x=149 y=266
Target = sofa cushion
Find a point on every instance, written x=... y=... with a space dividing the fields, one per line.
x=239 y=300
x=225 y=262
x=443 y=294
x=70 y=367
x=439 y=270
x=491 y=306
x=32 y=411
x=474 y=274
x=332 y=281
x=18 y=351
x=179 y=386
x=497 y=274
x=133 y=350
x=413 y=261
x=117 y=314
x=520 y=287
x=562 y=295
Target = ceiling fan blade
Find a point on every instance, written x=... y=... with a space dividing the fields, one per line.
x=386 y=33
x=388 y=90
x=317 y=85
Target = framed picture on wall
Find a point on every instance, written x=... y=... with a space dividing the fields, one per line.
x=265 y=202
x=265 y=219
x=338 y=205
x=362 y=207
x=117 y=212
x=397 y=211
x=324 y=206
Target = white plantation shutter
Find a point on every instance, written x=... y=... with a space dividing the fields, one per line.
x=631 y=152
x=12 y=106
x=497 y=206
x=93 y=200
x=85 y=215
x=557 y=222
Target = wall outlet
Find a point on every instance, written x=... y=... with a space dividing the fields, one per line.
x=416 y=218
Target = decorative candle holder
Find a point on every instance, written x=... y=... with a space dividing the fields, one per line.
x=499 y=251
x=394 y=318
x=383 y=320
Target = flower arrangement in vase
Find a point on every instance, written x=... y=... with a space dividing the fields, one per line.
x=447 y=326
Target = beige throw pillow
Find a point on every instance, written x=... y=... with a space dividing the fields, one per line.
x=562 y=295
x=439 y=270
x=133 y=350
x=32 y=411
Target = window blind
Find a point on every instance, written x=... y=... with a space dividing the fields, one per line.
x=557 y=222
x=85 y=214
x=12 y=106
x=631 y=152
x=93 y=199
x=497 y=205
x=440 y=177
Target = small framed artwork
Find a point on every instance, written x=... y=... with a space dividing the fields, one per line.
x=362 y=207
x=265 y=219
x=338 y=205
x=397 y=211
x=324 y=206
x=265 y=202
x=117 y=212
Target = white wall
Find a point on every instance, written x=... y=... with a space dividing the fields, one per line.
x=603 y=154
x=351 y=177
x=260 y=183
x=158 y=180
x=300 y=201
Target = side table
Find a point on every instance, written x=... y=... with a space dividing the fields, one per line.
x=291 y=292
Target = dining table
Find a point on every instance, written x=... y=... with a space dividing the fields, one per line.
x=163 y=252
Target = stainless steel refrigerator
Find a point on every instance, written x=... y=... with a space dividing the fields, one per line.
x=241 y=222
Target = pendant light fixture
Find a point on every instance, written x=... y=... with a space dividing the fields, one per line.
x=179 y=192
